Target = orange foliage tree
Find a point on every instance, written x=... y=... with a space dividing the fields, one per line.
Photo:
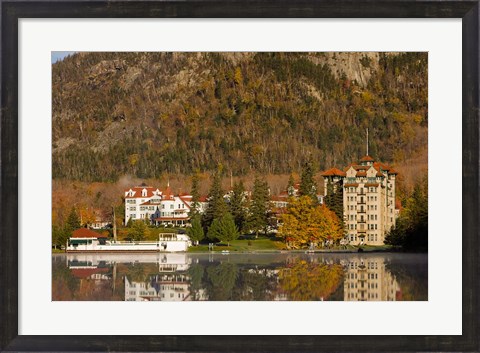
x=306 y=222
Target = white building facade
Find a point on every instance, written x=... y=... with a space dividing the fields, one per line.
x=160 y=207
x=368 y=199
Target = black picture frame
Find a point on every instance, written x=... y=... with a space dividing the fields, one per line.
x=11 y=11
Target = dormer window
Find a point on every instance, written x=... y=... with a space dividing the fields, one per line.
x=144 y=192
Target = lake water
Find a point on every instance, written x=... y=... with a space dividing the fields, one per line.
x=254 y=277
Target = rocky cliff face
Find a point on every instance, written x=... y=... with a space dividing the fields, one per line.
x=148 y=113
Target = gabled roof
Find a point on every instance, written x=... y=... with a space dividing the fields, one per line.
x=366 y=158
x=182 y=198
x=167 y=194
x=137 y=191
x=334 y=172
x=86 y=233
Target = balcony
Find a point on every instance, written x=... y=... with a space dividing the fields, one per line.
x=362 y=193
x=362 y=210
x=362 y=221
x=362 y=202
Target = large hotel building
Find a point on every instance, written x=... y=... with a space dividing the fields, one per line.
x=368 y=199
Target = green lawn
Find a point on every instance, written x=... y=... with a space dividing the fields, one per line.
x=260 y=244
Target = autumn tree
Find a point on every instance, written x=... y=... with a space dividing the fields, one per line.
x=306 y=222
x=257 y=218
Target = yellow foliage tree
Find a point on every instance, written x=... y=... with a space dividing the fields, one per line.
x=306 y=222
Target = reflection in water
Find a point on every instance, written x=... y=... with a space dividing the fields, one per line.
x=253 y=277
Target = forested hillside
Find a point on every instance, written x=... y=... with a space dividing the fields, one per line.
x=148 y=114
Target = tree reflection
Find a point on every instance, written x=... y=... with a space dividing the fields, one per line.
x=221 y=281
x=304 y=280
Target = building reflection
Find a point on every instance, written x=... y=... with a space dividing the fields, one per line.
x=182 y=277
x=369 y=280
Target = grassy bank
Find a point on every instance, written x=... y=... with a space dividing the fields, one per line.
x=271 y=244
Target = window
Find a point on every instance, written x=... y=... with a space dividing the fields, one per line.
x=163 y=206
x=171 y=207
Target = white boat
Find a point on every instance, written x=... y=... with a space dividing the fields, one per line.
x=85 y=240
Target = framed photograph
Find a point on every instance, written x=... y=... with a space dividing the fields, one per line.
x=274 y=177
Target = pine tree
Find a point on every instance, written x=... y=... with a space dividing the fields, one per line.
x=214 y=230
x=260 y=205
x=195 y=205
x=291 y=186
x=73 y=220
x=334 y=199
x=308 y=186
x=237 y=204
x=216 y=206
x=228 y=229
x=195 y=232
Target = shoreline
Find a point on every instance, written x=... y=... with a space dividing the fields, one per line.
x=259 y=252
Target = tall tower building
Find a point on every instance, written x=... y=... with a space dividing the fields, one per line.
x=368 y=199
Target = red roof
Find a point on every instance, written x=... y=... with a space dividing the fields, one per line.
x=334 y=172
x=86 y=233
x=371 y=184
x=184 y=201
x=361 y=174
x=203 y=198
x=137 y=191
x=282 y=197
x=167 y=194
x=366 y=158
x=350 y=185
x=87 y=272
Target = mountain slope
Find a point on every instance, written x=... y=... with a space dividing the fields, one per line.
x=146 y=114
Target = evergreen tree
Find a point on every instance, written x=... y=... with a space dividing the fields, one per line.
x=237 y=204
x=334 y=199
x=195 y=205
x=195 y=232
x=259 y=207
x=228 y=229
x=216 y=206
x=308 y=186
x=214 y=231
x=138 y=231
x=411 y=229
x=291 y=186
x=73 y=220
